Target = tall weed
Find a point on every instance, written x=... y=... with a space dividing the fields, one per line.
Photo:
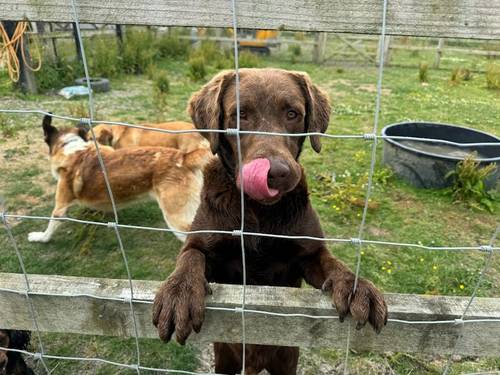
x=468 y=186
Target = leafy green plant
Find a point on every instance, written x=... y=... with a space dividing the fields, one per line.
x=79 y=109
x=161 y=82
x=208 y=51
x=468 y=186
x=6 y=128
x=247 y=59
x=460 y=74
x=103 y=56
x=197 y=69
x=493 y=76
x=161 y=87
x=172 y=46
x=139 y=51
x=423 y=72
x=346 y=191
x=295 y=51
x=57 y=74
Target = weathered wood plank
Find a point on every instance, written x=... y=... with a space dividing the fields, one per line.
x=451 y=18
x=64 y=312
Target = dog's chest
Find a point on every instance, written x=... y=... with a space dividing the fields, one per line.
x=268 y=262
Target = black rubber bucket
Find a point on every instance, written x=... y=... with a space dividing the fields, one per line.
x=425 y=164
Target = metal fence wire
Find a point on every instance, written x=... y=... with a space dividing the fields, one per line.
x=357 y=242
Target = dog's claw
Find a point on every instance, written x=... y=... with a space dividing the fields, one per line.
x=208 y=289
x=360 y=325
x=327 y=285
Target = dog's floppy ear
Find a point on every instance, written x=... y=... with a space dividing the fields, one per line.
x=205 y=107
x=103 y=135
x=317 y=108
x=83 y=133
x=48 y=130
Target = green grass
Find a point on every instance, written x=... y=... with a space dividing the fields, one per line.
x=399 y=212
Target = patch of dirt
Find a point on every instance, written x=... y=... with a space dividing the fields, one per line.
x=378 y=232
x=371 y=87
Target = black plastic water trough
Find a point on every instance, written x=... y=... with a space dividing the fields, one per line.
x=425 y=164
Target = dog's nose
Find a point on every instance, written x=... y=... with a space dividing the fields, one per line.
x=278 y=174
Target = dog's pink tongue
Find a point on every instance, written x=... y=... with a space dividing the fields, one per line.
x=255 y=179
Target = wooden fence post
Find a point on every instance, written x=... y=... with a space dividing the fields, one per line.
x=27 y=82
x=439 y=53
x=319 y=48
x=77 y=42
x=386 y=51
x=119 y=36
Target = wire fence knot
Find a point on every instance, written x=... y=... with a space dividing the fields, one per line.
x=356 y=241
x=127 y=299
x=134 y=367
x=486 y=248
x=232 y=131
x=3 y=218
x=111 y=224
x=369 y=136
x=459 y=321
x=85 y=123
x=37 y=356
x=237 y=233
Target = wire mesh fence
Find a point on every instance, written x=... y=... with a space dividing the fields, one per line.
x=357 y=242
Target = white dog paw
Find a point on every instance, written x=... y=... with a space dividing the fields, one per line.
x=37 y=237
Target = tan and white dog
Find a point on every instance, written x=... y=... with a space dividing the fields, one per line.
x=119 y=136
x=171 y=177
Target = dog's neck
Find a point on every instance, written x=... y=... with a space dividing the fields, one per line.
x=72 y=143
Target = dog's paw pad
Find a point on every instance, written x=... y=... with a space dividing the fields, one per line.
x=37 y=237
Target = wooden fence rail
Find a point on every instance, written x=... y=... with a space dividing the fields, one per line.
x=453 y=18
x=59 y=310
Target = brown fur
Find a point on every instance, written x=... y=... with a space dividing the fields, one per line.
x=12 y=363
x=118 y=136
x=170 y=176
x=267 y=98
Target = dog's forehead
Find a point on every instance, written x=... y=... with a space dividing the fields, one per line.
x=264 y=85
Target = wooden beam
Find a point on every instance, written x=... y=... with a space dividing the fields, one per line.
x=59 y=310
x=462 y=19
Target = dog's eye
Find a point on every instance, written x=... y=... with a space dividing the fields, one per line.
x=292 y=115
x=243 y=114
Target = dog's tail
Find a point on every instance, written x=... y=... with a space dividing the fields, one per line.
x=198 y=158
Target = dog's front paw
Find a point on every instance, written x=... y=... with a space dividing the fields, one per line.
x=367 y=304
x=179 y=306
x=37 y=237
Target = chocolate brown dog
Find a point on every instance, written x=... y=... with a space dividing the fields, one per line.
x=276 y=202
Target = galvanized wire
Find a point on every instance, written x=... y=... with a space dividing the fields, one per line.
x=107 y=182
x=486 y=265
x=242 y=189
x=358 y=242
x=27 y=283
x=370 y=173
